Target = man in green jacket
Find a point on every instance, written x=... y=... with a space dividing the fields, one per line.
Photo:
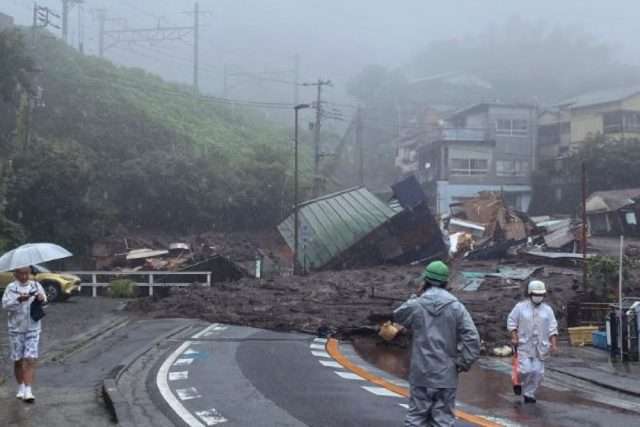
x=445 y=342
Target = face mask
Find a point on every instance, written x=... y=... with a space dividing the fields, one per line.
x=537 y=299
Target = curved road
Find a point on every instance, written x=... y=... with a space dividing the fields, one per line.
x=241 y=376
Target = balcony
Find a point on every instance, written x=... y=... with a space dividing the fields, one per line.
x=621 y=128
x=462 y=134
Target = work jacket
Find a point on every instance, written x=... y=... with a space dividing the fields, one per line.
x=535 y=324
x=445 y=339
x=19 y=317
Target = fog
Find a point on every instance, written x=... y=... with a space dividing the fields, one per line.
x=334 y=38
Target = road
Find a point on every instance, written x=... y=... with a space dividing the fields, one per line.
x=240 y=376
x=236 y=376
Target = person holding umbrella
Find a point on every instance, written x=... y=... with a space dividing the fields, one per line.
x=24 y=331
x=23 y=299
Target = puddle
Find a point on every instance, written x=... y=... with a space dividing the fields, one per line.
x=487 y=386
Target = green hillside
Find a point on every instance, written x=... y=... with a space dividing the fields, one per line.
x=113 y=146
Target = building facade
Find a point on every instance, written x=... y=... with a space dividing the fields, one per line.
x=486 y=147
x=6 y=22
x=614 y=113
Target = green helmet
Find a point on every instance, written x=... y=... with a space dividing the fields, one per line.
x=436 y=271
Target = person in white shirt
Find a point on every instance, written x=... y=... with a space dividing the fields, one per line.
x=534 y=330
x=24 y=332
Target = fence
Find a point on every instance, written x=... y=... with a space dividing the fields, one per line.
x=593 y=313
x=100 y=279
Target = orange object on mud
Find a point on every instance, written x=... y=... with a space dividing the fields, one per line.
x=515 y=373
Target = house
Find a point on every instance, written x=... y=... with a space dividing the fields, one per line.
x=354 y=228
x=614 y=212
x=488 y=147
x=614 y=113
x=6 y=22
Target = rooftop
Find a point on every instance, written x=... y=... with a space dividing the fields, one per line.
x=609 y=201
x=484 y=106
x=599 y=97
x=331 y=224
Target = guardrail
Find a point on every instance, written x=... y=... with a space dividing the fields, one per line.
x=151 y=278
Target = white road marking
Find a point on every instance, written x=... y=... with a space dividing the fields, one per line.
x=220 y=328
x=349 y=376
x=206 y=330
x=321 y=354
x=183 y=362
x=178 y=375
x=330 y=364
x=190 y=351
x=167 y=394
x=381 y=391
x=404 y=405
x=188 y=393
x=320 y=340
x=317 y=346
x=211 y=417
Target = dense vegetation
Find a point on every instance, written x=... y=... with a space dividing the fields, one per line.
x=609 y=165
x=112 y=147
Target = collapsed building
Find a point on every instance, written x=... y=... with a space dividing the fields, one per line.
x=354 y=228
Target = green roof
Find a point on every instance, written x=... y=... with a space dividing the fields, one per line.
x=334 y=223
x=600 y=97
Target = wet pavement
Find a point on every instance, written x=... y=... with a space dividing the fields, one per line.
x=486 y=388
x=64 y=322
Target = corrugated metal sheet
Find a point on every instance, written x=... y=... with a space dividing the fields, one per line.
x=332 y=224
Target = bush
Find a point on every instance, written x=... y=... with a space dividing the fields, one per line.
x=122 y=288
x=602 y=276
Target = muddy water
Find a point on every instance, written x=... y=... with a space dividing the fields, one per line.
x=487 y=386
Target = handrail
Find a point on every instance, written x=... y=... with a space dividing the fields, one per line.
x=150 y=283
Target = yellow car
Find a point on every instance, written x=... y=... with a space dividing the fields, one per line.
x=58 y=286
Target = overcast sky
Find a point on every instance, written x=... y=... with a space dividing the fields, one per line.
x=334 y=38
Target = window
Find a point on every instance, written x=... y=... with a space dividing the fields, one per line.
x=630 y=218
x=468 y=167
x=512 y=127
x=512 y=168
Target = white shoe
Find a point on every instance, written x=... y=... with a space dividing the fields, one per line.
x=20 y=394
x=28 y=396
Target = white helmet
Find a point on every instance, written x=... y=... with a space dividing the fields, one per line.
x=537 y=287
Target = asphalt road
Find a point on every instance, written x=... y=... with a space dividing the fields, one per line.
x=238 y=376
x=68 y=390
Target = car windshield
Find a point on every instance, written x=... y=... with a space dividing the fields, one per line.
x=41 y=269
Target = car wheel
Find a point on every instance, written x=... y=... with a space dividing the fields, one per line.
x=52 y=290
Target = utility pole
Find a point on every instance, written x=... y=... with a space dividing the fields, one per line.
x=296 y=78
x=296 y=202
x=42 y=19
x=360 y=146
x=101 y=16
x=66 y=7
x=584 y=226
x=196 y=41
x=316 y=134
x=81 y=28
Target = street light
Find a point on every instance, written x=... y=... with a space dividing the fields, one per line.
x=296 y=225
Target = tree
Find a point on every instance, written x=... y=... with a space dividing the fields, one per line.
x=14 y=64
x=14 y=81
x=607 y=163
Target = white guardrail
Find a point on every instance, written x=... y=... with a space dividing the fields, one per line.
x=151 y=278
